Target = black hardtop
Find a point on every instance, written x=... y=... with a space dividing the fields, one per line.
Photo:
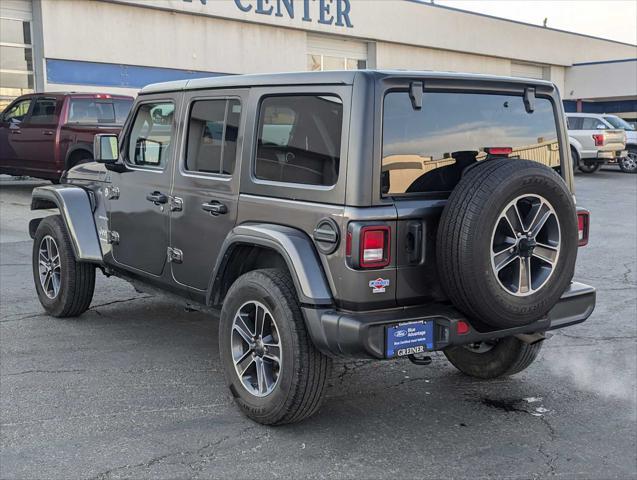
x=336 y=77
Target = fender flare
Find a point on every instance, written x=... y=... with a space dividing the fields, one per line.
x=76 y=209
x=85 y=147
x=293 y=245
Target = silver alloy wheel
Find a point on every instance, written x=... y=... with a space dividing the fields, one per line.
x=256 y=348
x=49 y=266
x=630 y=161
x=525 y=245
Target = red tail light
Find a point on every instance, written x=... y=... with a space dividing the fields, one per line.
x=599 y=139
x=374 y=247
x=583 y=224
x=499 y=150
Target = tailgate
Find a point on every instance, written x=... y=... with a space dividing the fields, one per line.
x=614 y=140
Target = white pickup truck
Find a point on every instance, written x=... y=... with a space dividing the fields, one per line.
x=595 y=141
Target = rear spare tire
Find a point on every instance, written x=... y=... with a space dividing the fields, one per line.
x=507 y=242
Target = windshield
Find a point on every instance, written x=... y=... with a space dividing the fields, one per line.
x=619 y=123
x=427 y=150
x=93 y=110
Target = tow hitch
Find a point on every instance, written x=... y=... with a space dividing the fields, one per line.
x=418 y=359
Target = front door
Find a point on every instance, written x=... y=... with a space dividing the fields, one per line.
x=139 y=212
x=38 y=136
x=206 y=184
x=11 y=147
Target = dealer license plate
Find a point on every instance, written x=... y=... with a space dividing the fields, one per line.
x=409 y=338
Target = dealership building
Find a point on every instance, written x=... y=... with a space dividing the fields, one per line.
x=119 y=46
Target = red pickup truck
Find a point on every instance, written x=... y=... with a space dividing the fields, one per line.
x=44 y=134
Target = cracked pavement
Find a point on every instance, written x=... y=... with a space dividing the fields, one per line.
x=133 y=388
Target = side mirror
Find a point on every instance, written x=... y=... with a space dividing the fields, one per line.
x=600 y=126
x=105 y=148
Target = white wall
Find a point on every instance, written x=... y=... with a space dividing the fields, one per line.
x=423 y=24
x=606 y=80
x=115 y=33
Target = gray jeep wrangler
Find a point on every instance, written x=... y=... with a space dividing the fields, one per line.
x=359 y=214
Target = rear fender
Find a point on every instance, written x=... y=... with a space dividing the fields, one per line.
x=76 y=209
x=296 y=249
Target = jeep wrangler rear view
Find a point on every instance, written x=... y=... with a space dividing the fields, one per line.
x=358 y=214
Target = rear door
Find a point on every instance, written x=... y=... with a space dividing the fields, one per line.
x=206 y=183
x=425 y=152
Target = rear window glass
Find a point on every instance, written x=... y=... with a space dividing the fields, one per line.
x=300 y=139
x=427 y=150
x=89 y=110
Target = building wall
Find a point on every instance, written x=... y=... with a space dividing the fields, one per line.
x=117 y=33
x=615 y=79
x=217 y=37
x=417 y=23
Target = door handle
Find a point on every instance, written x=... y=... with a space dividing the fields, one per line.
x=47 y=132
x=157 y=198
x=215 y=208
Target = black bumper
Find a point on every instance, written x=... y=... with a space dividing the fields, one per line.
x=362 y=334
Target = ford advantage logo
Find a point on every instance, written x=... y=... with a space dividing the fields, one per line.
x=400 y=333
x=379 y=285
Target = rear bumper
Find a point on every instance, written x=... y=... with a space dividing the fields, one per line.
x=338 y=333
x=611 y=154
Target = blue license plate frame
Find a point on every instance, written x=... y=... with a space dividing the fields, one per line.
x=409 y=338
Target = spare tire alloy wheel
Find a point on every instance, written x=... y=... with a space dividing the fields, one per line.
x=525 y=245
x=507 y=242
x=256 y=348
x=49 y=267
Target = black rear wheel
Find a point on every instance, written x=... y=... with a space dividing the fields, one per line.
x=487 y=360
x=273 y=369
x=589 y=167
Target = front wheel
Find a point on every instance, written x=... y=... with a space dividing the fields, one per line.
x=628 y=164
x=64 y=286
x=274 y=371
x=488 y=360
x=590 y=167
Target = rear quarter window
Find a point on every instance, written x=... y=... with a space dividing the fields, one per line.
x=93 y=110
x=426 y=150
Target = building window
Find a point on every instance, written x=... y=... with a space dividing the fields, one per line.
x=16 y=59
x=319 y=63
x=325 y=52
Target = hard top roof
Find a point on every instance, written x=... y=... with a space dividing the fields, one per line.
x=336 y=77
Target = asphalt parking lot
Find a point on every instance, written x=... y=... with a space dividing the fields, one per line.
x=133 y=388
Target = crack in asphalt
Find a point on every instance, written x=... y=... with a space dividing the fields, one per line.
x=93 y=308
x=201 y=456
x=43 y=371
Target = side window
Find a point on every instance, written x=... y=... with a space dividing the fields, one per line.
x=299 y=139
x=592 y=123
x=17 y=113
x=44 y=111
x=212 y=136
x=151 y=137
x=575 y=123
